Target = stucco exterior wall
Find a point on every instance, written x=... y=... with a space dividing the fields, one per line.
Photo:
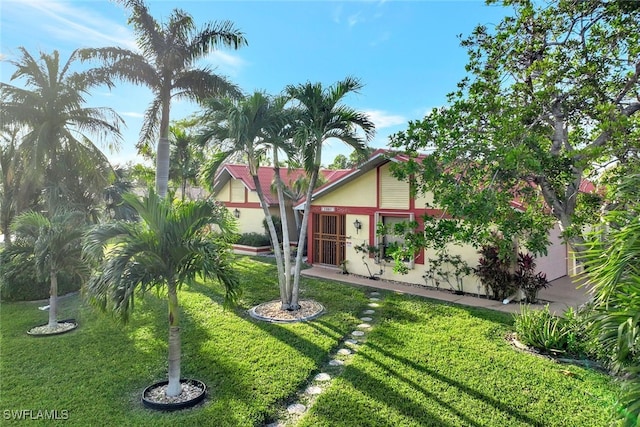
x=224 y=195
x=361 y=192
x=250 y=220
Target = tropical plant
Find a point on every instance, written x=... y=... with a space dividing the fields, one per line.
x=550 y=95
x=541 y=329
x=171 y=245
x=527 y=279
x=56 y=126
x=169 y=51
x=611 y=264
x=186 y=156
x=494 y=273
x=322 y=116
x=54 y=245
x=249 y=127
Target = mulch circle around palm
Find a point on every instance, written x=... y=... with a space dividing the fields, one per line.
x=155 y=397
x=271 y=312
x=45 y=330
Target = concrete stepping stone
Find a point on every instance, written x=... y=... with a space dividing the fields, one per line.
x=313 y=390
x=374 y=294
x=374 y=299
x=366 y=319
x=336 y=362
x=296 y=408
x=364 y=326
x=351 y=342
x=357 y=333
x=322 y=377
x=374 y=304
x=344 y=351
x=369 y=312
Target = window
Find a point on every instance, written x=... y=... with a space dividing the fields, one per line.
x=390 y=240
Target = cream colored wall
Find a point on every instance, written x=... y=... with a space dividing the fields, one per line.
x=394 y=194
x=424 y=201
x=224 y=194
x=360 y=192
x=356 y=262
x=252 y=197
x=250 y=220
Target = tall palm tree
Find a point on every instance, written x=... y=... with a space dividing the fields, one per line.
x=171 y=245
x=169 y=51
x=322 y=116
x=55 y=244
x=56 y=143
x=248 y=127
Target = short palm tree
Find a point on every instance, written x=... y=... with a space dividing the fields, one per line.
x=168 y=53
x=612 y=268
x=55 y=244
x=249 y=128
x=56 y=126
x=171 y=245
x=322 y=116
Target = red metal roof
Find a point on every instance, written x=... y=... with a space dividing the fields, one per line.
x=266 y=177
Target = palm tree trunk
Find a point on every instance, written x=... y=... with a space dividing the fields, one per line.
x=277 y=250
x=303 y=234
x=286 y=244
x=162 y=167
x=174 y=388
x=162 y=155
x=53 y=300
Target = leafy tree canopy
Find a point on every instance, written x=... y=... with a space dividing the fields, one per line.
x=551 y=95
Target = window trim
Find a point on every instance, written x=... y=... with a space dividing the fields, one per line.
x=410 y=216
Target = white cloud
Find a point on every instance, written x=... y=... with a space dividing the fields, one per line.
x=132 y=114
x=382 y=119
x=71 y=23
x=226 y=60
x=354 y=19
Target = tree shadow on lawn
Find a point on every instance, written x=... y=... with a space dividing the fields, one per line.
x=475 y=394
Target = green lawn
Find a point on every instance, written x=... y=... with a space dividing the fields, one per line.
x=424 y=363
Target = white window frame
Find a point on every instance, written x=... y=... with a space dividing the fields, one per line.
x=378 y=216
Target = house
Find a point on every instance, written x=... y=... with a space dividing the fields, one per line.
x=345 y=214
x=235 y=187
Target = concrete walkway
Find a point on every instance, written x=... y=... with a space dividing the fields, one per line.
x=561 y=294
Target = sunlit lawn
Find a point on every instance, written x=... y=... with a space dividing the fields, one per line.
x=424 y=363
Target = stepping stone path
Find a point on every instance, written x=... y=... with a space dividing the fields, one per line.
x=296 y=408
x=322 y=377
x=335 y=364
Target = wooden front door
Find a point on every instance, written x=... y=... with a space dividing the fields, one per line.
x=328 y=238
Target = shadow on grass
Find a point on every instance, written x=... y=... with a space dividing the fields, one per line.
x=510 y=411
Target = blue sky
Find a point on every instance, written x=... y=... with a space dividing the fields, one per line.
x=406 y=53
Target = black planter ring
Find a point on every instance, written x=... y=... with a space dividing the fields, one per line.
x=158 y=406
x=75 y=326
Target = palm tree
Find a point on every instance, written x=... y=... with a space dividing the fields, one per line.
x=168 y=52
x=322 y=116
x=611 y=265
x=55 y=244
x=172 y=244
x=185 y=157
x=248 y=127
x=50 y=108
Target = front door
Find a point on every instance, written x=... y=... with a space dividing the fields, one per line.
x=328 y=238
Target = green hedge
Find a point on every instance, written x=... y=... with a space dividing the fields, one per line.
x=19 y=282
x=254 y=239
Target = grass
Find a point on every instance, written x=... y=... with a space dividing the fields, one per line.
x=424 y=363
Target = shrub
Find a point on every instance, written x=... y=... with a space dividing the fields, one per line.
x=19 y=281
x=254 y=239
x=277 y=223
x=541 y=329
x=572 y=333
x=527 y=279
x=494 y=274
